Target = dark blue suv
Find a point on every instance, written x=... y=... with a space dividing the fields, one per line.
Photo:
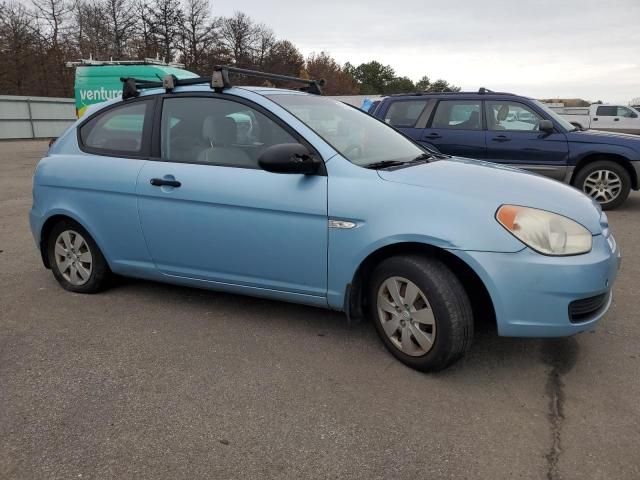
x=518 y=131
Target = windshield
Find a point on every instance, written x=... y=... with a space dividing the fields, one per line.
x=357 y=136
x=557 y=118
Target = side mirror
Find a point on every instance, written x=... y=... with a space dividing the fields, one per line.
x=289 y=158
x=545 y=126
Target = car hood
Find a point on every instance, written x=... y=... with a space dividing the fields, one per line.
x=473 y=184
x=606 y=138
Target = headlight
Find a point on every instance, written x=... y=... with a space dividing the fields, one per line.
x=545 y=232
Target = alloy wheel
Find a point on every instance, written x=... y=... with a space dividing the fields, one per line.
x=603 y=185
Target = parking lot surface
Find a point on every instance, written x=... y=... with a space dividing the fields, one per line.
x=156 y=381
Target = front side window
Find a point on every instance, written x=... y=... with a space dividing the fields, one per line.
x=356 y=135
x=216 y=131
x=626 y=112
x=457 y=114
x=405 y=113
x=117 y=130
x=555 y=117
x=503 y=115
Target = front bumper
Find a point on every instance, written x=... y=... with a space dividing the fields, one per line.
x=531 y=292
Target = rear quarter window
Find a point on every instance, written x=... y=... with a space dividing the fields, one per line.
x=405 y=113
x=119 y=129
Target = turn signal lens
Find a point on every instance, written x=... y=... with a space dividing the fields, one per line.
x=545 y=232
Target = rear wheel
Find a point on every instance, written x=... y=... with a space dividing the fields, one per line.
x=421 y=312
x=75 y=259
x=606 y=182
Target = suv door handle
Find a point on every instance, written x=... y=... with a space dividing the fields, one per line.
x=616 y=119
x=501 y=138
x=433 y=136
x=160 y=182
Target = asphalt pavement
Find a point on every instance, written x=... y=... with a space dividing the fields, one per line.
x=153 y=381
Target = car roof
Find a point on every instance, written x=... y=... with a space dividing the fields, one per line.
x=402 y=96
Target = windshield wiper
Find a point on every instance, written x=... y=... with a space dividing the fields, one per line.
x=422 y=156
x=396 y=163
x=384 y=164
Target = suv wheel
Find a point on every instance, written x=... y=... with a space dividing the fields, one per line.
x=606 y=182
x=75 y=259
x=421 y=312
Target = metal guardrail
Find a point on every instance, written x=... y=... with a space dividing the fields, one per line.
x=35 y=117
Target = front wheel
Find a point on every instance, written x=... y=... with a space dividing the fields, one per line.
x=421 y=311
x=606 y=182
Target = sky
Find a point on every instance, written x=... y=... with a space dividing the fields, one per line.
x=564 y=49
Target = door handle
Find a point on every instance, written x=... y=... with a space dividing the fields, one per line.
x=616 y=119
x=501 y=138
x=595 y=119
x=161 y=182
x=433 y=136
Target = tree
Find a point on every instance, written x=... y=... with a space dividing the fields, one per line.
x=120 y=25
x=199 y=35
x=423 y=84
x=373 y=77
x=284 y=58
x=238 y=36
x=399 y=85
x=16 y=48
x=442 y=86
x=264 y=40
x=165 y=18
x=55 y=14
x=339 y=82
x=91 y=35
x=51 y=22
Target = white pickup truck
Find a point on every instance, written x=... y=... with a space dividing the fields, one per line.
x=613 y=118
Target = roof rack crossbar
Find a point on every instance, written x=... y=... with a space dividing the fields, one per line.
x=131 y=86
x=220 y=79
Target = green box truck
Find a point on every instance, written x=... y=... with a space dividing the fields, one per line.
x=98 y=81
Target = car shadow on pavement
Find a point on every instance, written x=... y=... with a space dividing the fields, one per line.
x=489 y=354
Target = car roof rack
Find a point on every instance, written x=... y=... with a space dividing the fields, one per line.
x=90 y=62
x=481 y=91
x=219 y=81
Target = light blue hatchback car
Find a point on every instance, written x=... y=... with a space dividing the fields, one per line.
x=293 y=196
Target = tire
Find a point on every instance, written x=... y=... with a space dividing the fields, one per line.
x=441 y=300
x=605 y=181
x=69 y=247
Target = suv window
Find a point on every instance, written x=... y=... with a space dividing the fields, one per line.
x=503 y=115
x=216 y=131
x=116 y=130
x=458 y=114
x=405 y=113
x=607 y=111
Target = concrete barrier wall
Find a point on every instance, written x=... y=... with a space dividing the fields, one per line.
x=35 y=117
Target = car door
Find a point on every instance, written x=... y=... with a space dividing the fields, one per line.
x=604 y=118
x=455 y=128
x=513 y=137
x=627 y=120
x=97 y=183
x=209 y=213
